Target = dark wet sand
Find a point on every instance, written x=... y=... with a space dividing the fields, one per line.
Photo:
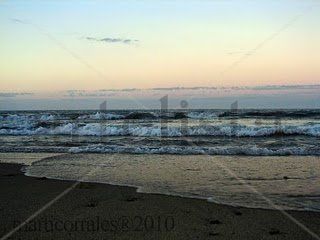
x=101 y=211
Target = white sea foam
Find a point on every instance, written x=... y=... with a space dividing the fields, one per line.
x=96 y=129
x=18 y=118
x=16 y=123
x=47 y=117
x=249 y=150
x=202 y=115
x=102 y=116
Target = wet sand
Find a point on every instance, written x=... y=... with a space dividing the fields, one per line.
x=101 y=211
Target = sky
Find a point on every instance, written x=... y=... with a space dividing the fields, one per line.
x=51 y=47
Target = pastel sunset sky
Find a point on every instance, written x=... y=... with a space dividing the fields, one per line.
x=90 y=45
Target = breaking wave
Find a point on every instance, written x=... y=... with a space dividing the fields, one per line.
x=195 y=150
x=156 y=114
x=101 y=116
x=140 y=132
x=96 y=129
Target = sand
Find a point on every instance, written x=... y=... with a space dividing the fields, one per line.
x=101 y=211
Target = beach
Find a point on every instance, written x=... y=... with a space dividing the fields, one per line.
x=102 y=211
x=159 y=120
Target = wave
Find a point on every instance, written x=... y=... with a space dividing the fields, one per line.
x=202 y=115
x=96 y=129
x=102 y=116
x=245 y=150
x=47 y=117
x=195 y=150
x=306 y=113
x=156 y=114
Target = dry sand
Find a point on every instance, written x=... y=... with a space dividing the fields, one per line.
x=101 y=211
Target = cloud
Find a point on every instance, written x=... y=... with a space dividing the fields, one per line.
x=113 y=40
x=106 y=39
x=14 y=94
x=285 y=87
x=101 y=92
x=16 y=20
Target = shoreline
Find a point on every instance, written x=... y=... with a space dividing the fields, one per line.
x=140 y=191
x=129 y=214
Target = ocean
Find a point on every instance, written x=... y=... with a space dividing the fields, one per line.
x=252 y=158
x=212 y=132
